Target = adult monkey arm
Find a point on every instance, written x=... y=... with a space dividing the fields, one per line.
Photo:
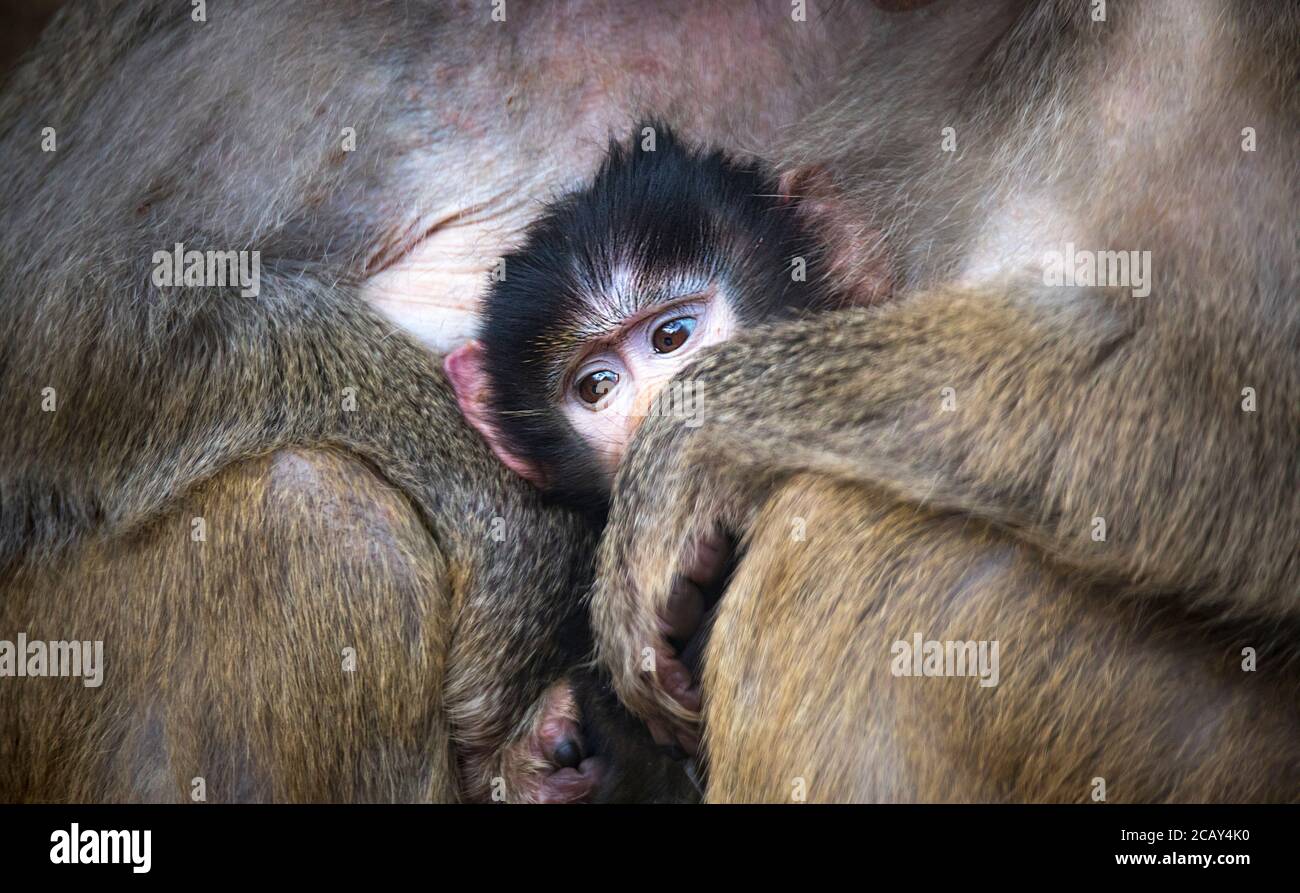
x=1070 y=404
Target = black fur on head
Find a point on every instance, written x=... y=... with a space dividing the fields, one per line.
x=650 y=220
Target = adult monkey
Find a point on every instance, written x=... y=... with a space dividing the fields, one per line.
x=945 y=463
x=356 y=146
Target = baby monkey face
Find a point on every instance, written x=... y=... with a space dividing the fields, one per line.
x=612 y=383
x=616 y=289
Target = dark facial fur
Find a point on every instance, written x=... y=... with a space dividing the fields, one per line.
x=651 y=218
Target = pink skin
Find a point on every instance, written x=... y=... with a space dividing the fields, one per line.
x=567 y=784
x=464 y=366
x=628 y=351
x=608 y=424
x=679 y=622
x=548 y=765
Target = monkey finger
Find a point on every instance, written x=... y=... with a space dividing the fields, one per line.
x=572 y=784
x=708 y=563
x=679 y=744
x=554 y=763
x=680 y=623
x=677 y=681
x=567 y=753
x=695 y=587
x=664 y=736
x=683 y=613
x=559 y=735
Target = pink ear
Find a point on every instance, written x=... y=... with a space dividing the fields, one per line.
x=806 y=183
x=858 y=256
x=464 y=366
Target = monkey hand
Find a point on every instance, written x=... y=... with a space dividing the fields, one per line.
x=661 y=567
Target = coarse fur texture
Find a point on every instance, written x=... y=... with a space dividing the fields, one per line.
x=256 y=625
x=1066 y=405
x=1143 y=695
x=1069 y=403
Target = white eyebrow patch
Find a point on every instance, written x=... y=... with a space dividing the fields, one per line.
x=625 y=291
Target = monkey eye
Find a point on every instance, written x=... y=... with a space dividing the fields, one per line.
x=672 y=334
x=596 y=385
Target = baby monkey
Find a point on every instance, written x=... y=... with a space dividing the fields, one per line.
x=615 y=289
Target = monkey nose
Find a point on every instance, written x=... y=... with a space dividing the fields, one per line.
x=568 y=754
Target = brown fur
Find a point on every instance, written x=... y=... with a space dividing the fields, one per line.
x=228 y=664
x=226 y=135
x=1150 y=699
x=1070 y=404
x=264 y=608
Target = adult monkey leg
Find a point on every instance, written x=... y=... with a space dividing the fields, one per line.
x=515 y=593
x=801 y=700
x=272 y=657
x=986 y=390
x=246 y=377
x=303 y=648
x=331 y=140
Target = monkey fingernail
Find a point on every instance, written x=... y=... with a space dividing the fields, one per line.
x=710 y=559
